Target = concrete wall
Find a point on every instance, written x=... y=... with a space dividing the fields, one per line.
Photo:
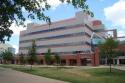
x=80 y=18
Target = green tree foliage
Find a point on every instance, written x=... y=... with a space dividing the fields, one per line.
x=57 y=59
x=11 y=11
x=108 y=49
x=32 y=58
x=48 y=57
x=7 y=56
x=22 y=59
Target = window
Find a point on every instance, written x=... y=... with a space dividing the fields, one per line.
x=58 y=37
x=50 y=30
x=59 y=45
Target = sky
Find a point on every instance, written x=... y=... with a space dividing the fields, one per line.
x=110 y=12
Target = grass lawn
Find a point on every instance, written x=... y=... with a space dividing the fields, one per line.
x=75 y=75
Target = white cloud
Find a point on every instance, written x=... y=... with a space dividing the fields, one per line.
x=116 y=14
x=16 y=48
x=16 y=29
x=54 y=3
x=23 y=9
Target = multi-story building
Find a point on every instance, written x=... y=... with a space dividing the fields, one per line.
x=6 y=47
x=73 y=39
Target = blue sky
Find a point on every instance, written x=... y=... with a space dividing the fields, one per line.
x=110 y=12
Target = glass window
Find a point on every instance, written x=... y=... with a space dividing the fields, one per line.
x=57 y=37
x=62 y=44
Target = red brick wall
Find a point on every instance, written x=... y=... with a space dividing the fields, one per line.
x=122 y=47
x=77 y=57
x=95 y=58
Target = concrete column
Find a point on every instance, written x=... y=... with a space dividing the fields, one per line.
x=114 y=61
x=15 y=61
x=117 y=61
x=106 y=63
x=44 y=62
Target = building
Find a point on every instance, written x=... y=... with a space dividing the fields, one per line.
x=73 y=39
x=6 y=47
x=120 y=60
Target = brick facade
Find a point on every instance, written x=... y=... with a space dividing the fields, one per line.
x=73 y=59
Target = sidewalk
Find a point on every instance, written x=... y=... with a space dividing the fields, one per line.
x=103 y=66
x=12 y=76
x=120 y=67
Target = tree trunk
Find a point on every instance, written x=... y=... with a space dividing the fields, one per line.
x=31 y=67
x=110 y=68
x=31 y=64
x=110 y=65
x=106 y=62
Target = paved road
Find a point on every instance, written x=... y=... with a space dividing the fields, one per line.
x=12 y=76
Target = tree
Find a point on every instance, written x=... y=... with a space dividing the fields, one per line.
x=48 y=57
x=108 y=49
x=12 y=11
x=57 y=59
x=7 y=56
x=32 y=54
x=22 y=59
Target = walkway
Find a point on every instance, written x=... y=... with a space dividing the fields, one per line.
x=120 y=67
x=12 y=76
